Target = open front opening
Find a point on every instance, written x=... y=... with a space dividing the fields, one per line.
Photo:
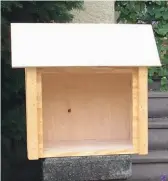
x=86 y=112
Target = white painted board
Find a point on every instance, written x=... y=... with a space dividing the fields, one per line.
x=56 y=44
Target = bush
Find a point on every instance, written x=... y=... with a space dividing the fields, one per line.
x=155 y=13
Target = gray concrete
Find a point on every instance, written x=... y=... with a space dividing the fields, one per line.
x=87 y=168
x=158 y=134
x=158 y=104
x=158 y=156
x=149 y=172
x=158 y=139
x=158 y=123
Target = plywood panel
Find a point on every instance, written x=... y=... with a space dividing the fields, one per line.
x=86 y=107
x=87 y=148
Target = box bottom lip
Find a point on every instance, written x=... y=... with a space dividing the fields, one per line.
x=88 y=148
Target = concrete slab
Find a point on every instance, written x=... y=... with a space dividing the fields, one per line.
x=87 y=168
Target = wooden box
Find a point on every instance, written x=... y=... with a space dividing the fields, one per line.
x=86 y=87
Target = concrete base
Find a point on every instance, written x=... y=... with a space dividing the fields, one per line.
x=87 y=168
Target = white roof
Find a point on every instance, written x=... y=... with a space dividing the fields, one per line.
x=54 y=44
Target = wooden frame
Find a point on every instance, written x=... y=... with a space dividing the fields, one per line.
x=143 y=110
x=34 y=108
x=39 y=114
x=32 y=113
x=135 y=109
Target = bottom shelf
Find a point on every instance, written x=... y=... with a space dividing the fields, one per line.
x=87 y=148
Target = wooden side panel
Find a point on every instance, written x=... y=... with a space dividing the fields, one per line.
x=143 y=110
x=31 y=113
x=134 y=135
x=39 y=113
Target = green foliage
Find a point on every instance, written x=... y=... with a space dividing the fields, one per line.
x=26 y=11
x=155 y=13
x=13 y=96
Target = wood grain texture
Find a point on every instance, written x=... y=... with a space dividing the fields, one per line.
x=31 y=113
x=39 y=113
x=86 y=112
x=143 y=110
x=83 y=107
x=88 y=148
x=81 y=70
x=135 y=125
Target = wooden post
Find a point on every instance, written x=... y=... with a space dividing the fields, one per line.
x=134 y=135
x=39 y=114
x=31 y=113
x=143 y=110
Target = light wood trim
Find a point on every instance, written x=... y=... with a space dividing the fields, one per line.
x=85 y=70
x=95 y=148
x=31 y=113
x=39 y=112
x=143 y=110
x=135 y=109
x=50 y=153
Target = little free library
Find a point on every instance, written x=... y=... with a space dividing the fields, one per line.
x=86 y=87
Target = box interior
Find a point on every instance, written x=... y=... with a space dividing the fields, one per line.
x=86 y=111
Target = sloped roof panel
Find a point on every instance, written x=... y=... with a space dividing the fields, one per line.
x=54 y=44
